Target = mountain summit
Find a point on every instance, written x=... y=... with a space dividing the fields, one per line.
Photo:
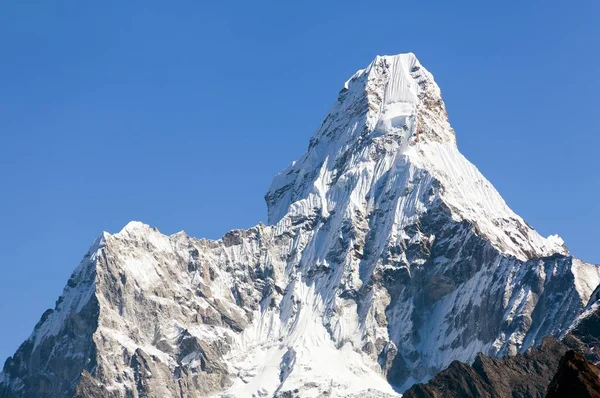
x=389 y=124
x=387 y=256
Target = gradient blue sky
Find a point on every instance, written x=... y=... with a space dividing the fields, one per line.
x=179 y=114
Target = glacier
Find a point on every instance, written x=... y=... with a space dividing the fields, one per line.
x=387 y=255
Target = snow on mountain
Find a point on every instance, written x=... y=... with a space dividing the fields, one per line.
x=395 y=106
x=387 y=256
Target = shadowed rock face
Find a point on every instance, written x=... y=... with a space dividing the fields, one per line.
x=576 y=377
x=556 y=368
x=524 y=375
x=388 y=256
x=585 y=335
x=47 y=368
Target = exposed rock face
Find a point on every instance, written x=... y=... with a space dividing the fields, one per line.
x=387 y=257
x=524 y=375
x=529 y=375
x=585 y=333
x=576 y=377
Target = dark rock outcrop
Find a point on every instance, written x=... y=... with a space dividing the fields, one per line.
x=563 y=368
x=524 y=375
x=576 y=377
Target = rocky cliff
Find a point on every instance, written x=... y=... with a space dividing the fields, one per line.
x=566 y=368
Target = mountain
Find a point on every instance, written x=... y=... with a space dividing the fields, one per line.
x=576 y=377
x=522 y=375
x=387 y=256
x=554 y=369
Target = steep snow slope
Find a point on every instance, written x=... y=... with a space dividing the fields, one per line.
x=395 y=107
x=387 y=256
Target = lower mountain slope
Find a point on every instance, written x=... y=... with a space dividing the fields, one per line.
x=554 y=369
x=576 y=377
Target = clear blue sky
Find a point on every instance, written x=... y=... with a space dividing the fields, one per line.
x=179 y=114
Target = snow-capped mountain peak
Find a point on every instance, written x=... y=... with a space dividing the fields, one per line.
x=389 y=119
x=387 y=256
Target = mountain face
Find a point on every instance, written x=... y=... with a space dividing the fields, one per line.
x=566 y=368
x=523 y=375
x=387 y=256
x=576 y=377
